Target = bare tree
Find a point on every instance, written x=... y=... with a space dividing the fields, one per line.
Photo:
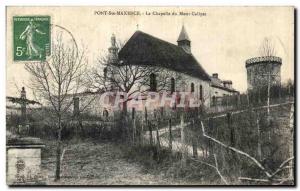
x=271 y=177
x=55 y=79
x=267 y=47
x=118 y=75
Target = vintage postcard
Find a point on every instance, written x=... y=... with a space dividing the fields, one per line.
x=150 y=96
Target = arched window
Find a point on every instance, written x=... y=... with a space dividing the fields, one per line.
x=192 y=87
x=152 y=82
x=214 y=100
x=172 y=85
x=200 y=92
x=105 y=73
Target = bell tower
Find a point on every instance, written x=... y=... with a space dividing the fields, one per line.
x=184 y=40
x=113 y=50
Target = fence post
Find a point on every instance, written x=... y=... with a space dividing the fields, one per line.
x=150 y=133
x=248 y=100
x=184 y=153
x=291 y=147
x=157 y=133
x=210 y=143
x=258 y=138
x=230 y=127
x=194 y=140
x=170 y=134
x=144 y=125
x=235 y=157
x=161 y=112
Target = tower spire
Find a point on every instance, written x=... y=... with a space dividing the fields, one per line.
x=113 y=50
x=184 y=41
x=183 y=35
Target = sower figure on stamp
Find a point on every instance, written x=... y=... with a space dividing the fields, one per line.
x=33 y=49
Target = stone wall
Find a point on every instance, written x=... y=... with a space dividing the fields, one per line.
x=23 y=160
x=258 y=70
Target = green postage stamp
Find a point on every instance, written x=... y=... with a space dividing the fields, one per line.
x=31 y=36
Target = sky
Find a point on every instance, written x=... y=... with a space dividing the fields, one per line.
x=222 y=39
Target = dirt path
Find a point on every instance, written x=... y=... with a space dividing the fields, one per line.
x=99 y=164
x=177 y=146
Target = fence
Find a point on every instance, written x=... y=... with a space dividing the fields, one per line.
x=46 y=127
x=254 y=98
x=267 y=138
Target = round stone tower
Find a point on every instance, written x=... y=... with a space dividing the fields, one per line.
x=259 y=69
x=113 y=51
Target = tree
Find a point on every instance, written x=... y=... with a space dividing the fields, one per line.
x=55 y=79
x=267 y=49
x=112 y=74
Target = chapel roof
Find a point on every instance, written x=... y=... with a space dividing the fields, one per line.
x=144 y=49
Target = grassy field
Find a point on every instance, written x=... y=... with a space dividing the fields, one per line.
x=93 y=162
x=103 y=163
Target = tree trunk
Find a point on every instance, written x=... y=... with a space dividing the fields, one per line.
x=58 y=150
x=133 y=131
x=133 y=126
x=269 y=87
x=127 y=124
x=125 y=107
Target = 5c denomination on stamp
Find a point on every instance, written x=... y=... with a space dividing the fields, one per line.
x=31 y=38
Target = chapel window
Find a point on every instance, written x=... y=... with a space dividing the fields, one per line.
x=153 y=83
x=201 y=92
x=192 y=87
x=172 y=85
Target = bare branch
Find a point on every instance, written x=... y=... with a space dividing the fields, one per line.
x=267 y=48
x=216 y=167
x=236 y=150
x=282 y=166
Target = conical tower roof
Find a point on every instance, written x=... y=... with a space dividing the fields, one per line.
x=183 y=35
